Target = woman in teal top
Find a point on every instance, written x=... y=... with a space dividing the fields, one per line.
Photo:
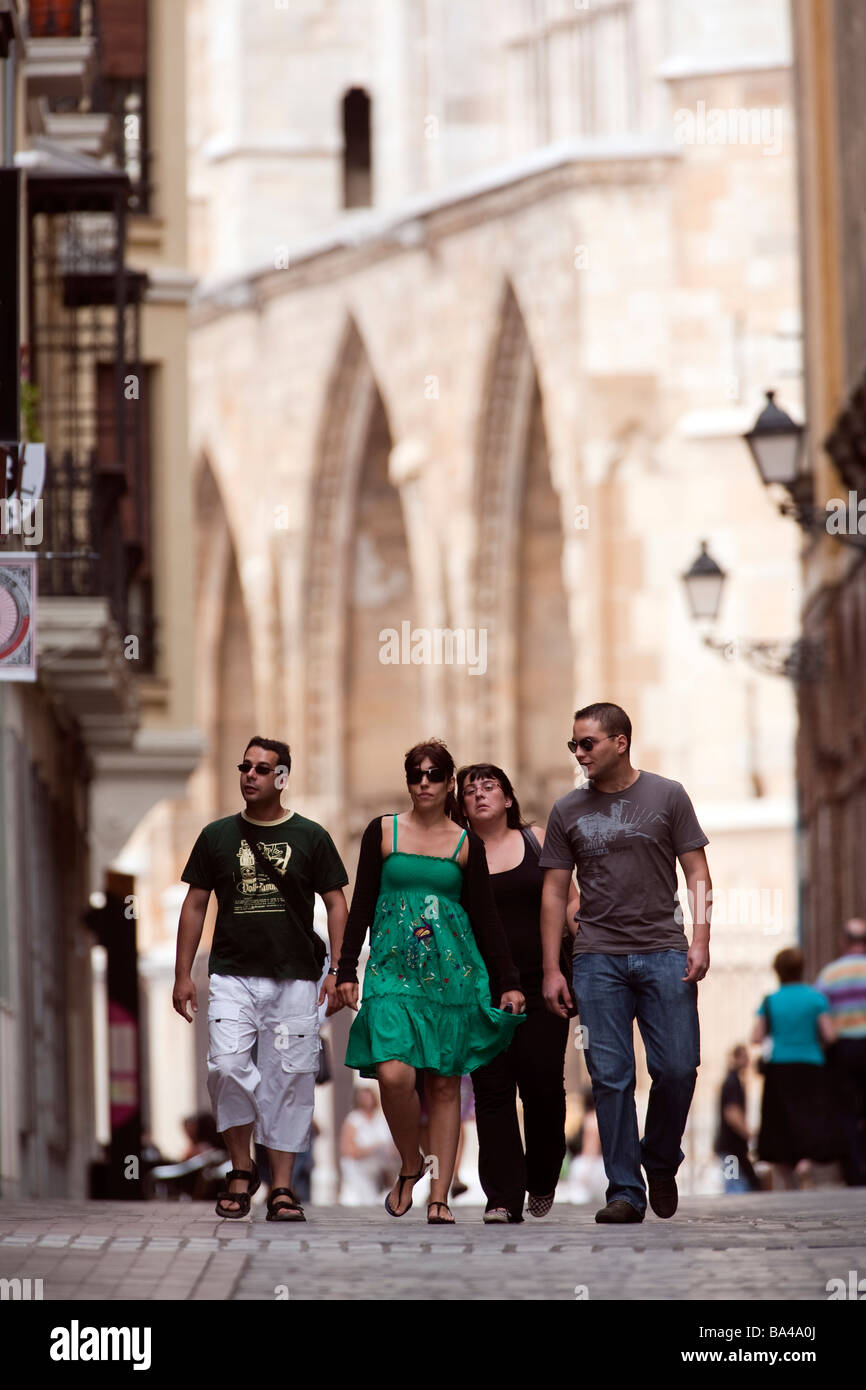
x=799 y=1123
x=438 y=959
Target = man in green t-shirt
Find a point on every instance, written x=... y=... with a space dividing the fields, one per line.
x=267 y=971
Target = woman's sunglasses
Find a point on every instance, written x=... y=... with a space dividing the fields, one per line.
x=433 y=774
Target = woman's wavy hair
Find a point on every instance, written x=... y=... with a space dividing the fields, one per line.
x=435 y=750
x=471 y=773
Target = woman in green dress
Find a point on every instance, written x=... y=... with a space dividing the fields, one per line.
x=438 y=959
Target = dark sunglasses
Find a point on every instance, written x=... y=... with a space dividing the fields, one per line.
x=263 y=769
x=433 y=774
x=587 y=744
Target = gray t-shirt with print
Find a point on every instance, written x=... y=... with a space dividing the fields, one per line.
x=624 y=846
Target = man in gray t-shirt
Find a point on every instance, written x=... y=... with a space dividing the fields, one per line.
x=623 y=833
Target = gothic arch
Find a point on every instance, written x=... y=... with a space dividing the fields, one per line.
x=357 y=579
x=225 y=697
x=517 y=584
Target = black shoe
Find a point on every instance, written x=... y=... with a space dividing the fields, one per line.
x=618 y=1213
x=663 y=1195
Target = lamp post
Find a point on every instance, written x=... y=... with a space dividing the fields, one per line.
x=704 y=581
x=776 y=444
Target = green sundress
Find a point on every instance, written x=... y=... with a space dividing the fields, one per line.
x=426 y=988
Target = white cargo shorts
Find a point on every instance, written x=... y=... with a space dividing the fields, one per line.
x=278 y=1089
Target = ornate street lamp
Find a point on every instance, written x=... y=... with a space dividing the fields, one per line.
x=798 y=661
x=776 y=444
x=704 y=581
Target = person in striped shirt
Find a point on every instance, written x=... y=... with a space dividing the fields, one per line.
x=843 y=984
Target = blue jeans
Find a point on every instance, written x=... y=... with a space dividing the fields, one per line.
x=612 y=991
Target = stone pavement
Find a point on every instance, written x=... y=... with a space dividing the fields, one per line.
x=759 y=1247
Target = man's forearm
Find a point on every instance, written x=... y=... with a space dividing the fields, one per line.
x=337 y=915
x=189 y=933
x=700 y=895
x=553 y=906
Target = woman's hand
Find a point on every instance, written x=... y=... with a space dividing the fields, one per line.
x=515 y=999
x=348 y=994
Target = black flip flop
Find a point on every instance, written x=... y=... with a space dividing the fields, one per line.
x=404 y=1177
x=439 y=1220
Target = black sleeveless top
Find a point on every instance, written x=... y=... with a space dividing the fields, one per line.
x=517 y=894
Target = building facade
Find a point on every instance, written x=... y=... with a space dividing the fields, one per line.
x=831 y=754
x=488 y=296
x=94 y=93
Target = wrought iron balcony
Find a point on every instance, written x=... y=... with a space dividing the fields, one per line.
x=93 y=400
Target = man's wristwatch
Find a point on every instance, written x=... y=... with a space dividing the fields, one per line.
x=334 y=970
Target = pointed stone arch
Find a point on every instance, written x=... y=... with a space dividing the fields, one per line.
x=225 y=696
x=356 y=575
x=518 y=593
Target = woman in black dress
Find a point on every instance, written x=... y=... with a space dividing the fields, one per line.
x=533 y=1063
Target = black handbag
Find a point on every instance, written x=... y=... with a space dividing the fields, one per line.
x=288 y=888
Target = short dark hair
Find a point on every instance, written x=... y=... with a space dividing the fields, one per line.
x=273 y=745
x=612 y=719
x=789 y=965
x=472 y=772
x=435 y=750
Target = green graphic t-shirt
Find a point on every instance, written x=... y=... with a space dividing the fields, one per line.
x=254 y=933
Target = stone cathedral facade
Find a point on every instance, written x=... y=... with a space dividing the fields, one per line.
x=487 y=296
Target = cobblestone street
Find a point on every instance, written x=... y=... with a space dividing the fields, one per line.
x=771 y=1247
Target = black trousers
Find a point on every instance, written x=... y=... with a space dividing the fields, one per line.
x=533 y=1064
x=848 y=1061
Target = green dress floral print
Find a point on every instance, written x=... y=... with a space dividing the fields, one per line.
x=426 y=989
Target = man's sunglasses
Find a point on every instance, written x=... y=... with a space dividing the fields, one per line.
x=263 y=769
x=433 y=774
x=587 y=744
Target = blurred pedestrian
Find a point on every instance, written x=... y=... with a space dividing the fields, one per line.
x=438 y=959
x=799 y=1123
x=533 y=1064
x=843 y=984
x=201 y=1133
x=368 y=1159
x=586 y=1176
x=732 y=1135
x=268 y=972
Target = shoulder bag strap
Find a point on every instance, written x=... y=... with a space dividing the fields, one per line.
x=532 y=839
